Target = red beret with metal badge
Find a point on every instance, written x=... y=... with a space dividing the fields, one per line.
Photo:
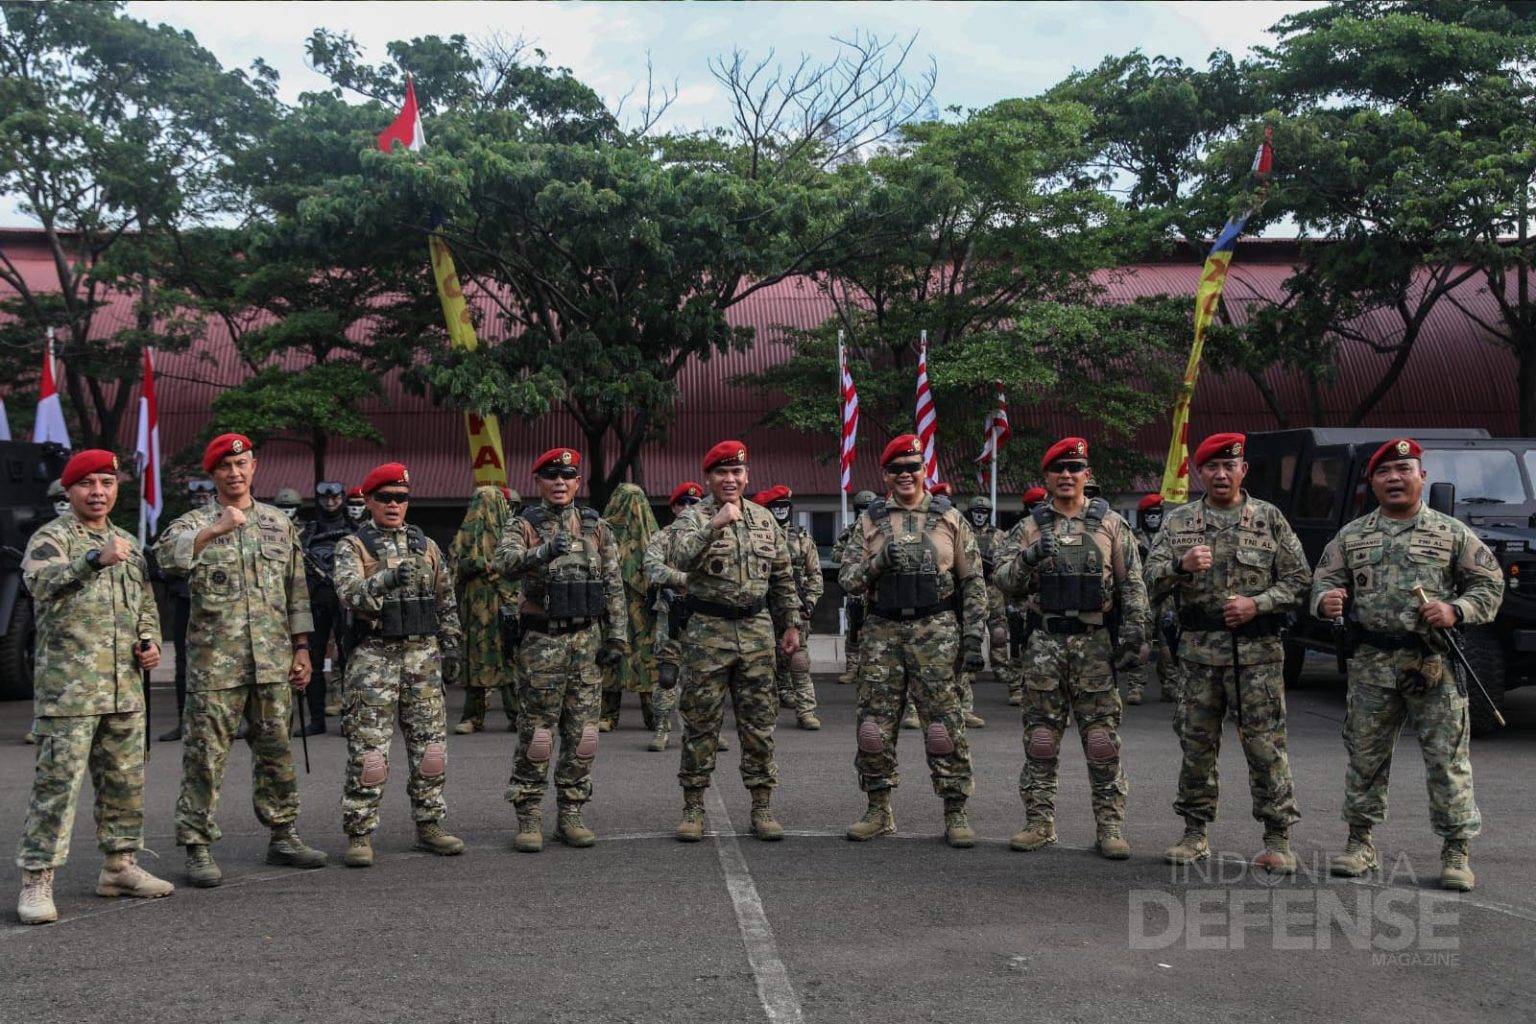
x=224 y=446
x=1066 y=448
x=83 y=464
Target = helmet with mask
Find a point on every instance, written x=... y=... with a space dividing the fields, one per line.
x=862 y=501
x=288 y=501
x=200 y=491
x=776 y=500
x=357 y=505
x=329 y=494
x=59 y=497
x=1149 y=512
x=979 y=511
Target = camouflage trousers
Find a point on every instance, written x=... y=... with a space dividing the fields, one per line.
x=1377 y=710
x=389 y=681
x=477 y=701
x=663 y=700
x=560 y=693
x=212 y=716
x=850 y=673
x=708 y=674
x=1258 y=701
x=902 y=662
x=1070 y=676
x=111 y=749
x=795 y=688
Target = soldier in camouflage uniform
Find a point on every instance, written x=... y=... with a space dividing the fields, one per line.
x=979 y=514
x=318 y=538
x=737 y=563
x=60 y=500
x=1163 y=618
x=97 y=630
x=484 y=596
x=853 y=607
x=668 y=587
x=793 y=673
x=1236 y=568
x=1076 y=561
x=408 y=647
x=247 y=649
x=916 y=564
x=573 y=623
x=628 y=514
x=1022 y=621
x=1399 y=669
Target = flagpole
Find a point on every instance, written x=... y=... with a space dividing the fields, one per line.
x=842 y=492
x=994 y=476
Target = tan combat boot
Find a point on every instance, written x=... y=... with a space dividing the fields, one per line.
x=1033 y=836
x=1110 y=843
x=974 y=721
x=809 y=721
x=1359 y=855
x=877 y=821
x=202 y=872
x=122 y=876
x=287 y=849
x=1276 y=857
x=763 y=824
x=530 y=829
x=359 y=852
x=1455 y=867
x=910 y=721
x=571 y=830
x=663 y=733
x=432 y=837
x=1193 y=847
x=1134 y=693
x=957 y=828
x=35 y=904
x=691 y=828
x=1015 y=696
x=469 y=725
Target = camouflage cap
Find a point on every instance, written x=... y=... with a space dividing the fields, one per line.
x=287 y=496
x=980 y=503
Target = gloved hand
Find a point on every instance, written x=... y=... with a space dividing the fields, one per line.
x=1129 y=657
x=611 y=653
x=453 y=668
x=971 y=658
x=880 y=562
x=552 y=549
x=400 y=577
x=666 y=675
x=1043 y=547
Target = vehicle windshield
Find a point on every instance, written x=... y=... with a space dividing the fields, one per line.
x=1482 y=476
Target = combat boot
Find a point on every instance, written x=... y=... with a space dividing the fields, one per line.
x=691 y=828
x=530 y=829
x=201 y=869
x=359 y=852
x=1134 y=692
x=1455 y=867
x=663 y=733
x=1359 y=855
x=432 y=837
x=571 y=830
x=468 y=726
x=957 y=828
x=171 y=735
x=1277 y=857
x=1033 y=836
x=845 y=678
x=122 y=876
x=763 y=824
x=911 y=721
x=1194 y=847
x=809 y=721
x=723 y=741
x=35 y=904
x=1015 y=697
x=287 y=849
x=1110 y=843
x=974 y=721
x=877 y=821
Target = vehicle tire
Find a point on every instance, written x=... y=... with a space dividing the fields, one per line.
x=1295 y=661
x=1487 y=657
x=16 y=648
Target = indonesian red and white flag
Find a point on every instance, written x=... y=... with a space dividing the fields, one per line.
x=850 y=404
x=406 y=128
x=49 y=425
x=147 y=451
x=927 y=416
x=996 y=431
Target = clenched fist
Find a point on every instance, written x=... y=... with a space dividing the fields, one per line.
x=729 y=513
x=1331 y=604
x=230 y=520
x=115 y=549
x=1196 y=559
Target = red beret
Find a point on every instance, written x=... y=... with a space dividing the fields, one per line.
x=356 y=492
x=942 y=487
x=225 y=444
x=778 y=492
x=1067 y=447
x=726 y=453
x=1033 y=495
x=83 y=464
x=1220 y=446
x=903 y=444
x=1397 y=448
x=1147 y=501
x=558 y=457
x=686 y=489
x=384 y=476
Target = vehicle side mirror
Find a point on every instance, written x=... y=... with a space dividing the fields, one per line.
x=1442 y=497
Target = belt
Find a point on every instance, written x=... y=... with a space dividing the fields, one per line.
x=1063 y=626
x=1393 y=641
x=730 y=612
x=553 y=627
x=911 y=614
x=1196 y=621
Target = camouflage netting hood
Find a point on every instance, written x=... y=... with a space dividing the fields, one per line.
x=482 y=525
x=629 y=515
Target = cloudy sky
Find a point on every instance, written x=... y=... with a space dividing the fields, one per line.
x=983 y=51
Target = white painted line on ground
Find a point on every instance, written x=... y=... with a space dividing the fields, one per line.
x=774 y=989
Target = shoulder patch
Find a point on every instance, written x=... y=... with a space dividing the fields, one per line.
x=45 y=550
x=1485 y=560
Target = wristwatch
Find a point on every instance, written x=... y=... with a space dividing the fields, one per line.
x=93 y=558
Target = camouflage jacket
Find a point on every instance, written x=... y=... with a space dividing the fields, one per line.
x=739 y=565
x=88 y=621
x=249 y=597
x=1380 y=561
x=1254 y=553
x=361 y=589
x=592 y=545
x=805 y=561
x=1123 y=587
x=989 y=540
x=658 y=551
x=958 y=558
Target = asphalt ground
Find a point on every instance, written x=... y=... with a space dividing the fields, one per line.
x=815 y=928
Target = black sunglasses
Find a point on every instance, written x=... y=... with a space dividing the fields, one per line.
x=559 y=473
x=898 y=468
x=329 y=489
x=686 y=502
x=392 y=497
x=1066 y=466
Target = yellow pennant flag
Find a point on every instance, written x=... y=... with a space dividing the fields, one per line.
x=485 y=455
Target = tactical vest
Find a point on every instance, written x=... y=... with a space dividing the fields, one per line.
x=911 y=585
x=405 y=614
x=570 y=586
x=319 y=542
x=1072 y=579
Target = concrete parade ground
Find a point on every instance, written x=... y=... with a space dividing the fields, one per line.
x=815 y=928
